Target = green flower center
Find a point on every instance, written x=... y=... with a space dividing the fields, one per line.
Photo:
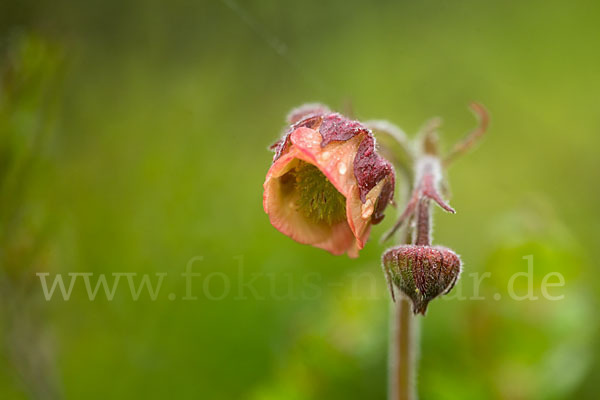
x=318 y=200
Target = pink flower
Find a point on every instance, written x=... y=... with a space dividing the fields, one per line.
x=327 y=184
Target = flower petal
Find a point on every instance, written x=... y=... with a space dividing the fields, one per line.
x=345 y=152
x=335 y=160
x=359 y=214
x=279 y=202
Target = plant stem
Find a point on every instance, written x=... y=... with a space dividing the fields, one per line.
x=423 y=235
x=402 y=343
x=402 y=352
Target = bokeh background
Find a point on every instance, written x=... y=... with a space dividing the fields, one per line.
x=133 y=138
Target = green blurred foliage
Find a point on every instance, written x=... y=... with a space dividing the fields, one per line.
x=145 y=127
x=29 y=77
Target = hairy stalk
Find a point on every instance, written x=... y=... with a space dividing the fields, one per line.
x=403 y=323
x=423 y=235
x=403 y=342
x=427 y=174
x=402 y=352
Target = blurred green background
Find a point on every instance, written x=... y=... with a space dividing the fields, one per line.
x=133 y=138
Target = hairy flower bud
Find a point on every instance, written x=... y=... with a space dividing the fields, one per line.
x=421 y=272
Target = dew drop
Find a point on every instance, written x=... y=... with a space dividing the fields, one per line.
x=325 y=155
x=342 y=167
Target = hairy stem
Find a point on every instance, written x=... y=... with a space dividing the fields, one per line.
x=402 y=344
x=423 y=220
x=402 y=351
x=463 y=146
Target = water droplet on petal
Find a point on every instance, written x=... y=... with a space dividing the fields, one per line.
x=367 y=209
x=342 y=167
x=325 y=155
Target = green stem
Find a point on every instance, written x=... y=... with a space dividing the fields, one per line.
x=402 y=354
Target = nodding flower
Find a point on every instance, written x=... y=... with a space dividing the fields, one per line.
x=327 y=184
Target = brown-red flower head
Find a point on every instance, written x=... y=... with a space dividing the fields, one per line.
x=327 y=184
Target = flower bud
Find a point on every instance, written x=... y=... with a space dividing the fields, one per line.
x=421 y=272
